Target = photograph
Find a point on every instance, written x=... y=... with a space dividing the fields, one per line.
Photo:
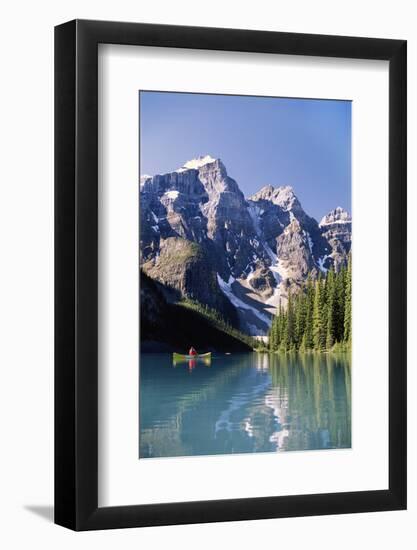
x=245 y=274
x=209 y=267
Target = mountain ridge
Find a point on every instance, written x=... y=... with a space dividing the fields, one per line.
x=253 y=250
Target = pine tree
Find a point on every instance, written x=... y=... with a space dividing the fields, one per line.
x=273 y=334
x=300 y=317
x=289 y=333
x=347 y=336
x=340 y=303
x=284 y=342
x=331 y=309
x=307 y=342
x=318 y=316
x=319 y=327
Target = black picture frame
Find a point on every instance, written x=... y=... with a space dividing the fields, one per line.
x=76 y=272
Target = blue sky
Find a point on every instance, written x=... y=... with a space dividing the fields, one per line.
x=304 y=143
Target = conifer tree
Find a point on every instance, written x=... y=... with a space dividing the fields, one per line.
x=317 y=316
x=307 y=342
x=300 y=317
x=273 y=334
x=289 y=334
x=347 y=336
x=340 y=303
x=284 y=342
x=319 y=328
x=331 y=309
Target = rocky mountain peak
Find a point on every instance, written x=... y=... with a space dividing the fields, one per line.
x=293 y=226
x=282 y=196
x=265 y=193
x=197 y=163
x=336 y=228
x=338 y=215
x=200 y=237
x=285 y=197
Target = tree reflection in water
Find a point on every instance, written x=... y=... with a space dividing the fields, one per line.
x=245 y=403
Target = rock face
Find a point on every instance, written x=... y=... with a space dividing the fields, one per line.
x=200 y=237
x=293 y=237
x=336 y=228
x=168 y=327
x=202 y=205
x=184 y=266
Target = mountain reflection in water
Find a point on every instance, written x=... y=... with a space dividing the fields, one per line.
x=244 y=403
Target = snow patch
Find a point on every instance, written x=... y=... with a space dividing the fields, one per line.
x=171 y=194
x=282 y=271
x=334 y=222
x=309 y=240
x=143 y=179
x=195 y=164
x=237 y=302
x=272 y=255
x=320 y=263
x=278 y=271
x=254 y=213
x=337 y=216
x=274 y=299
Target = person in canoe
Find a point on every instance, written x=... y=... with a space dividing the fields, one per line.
x=192 y=355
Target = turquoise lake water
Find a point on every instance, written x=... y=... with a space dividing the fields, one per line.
x=244 y=403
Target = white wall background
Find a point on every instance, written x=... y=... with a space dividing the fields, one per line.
x=26 y=271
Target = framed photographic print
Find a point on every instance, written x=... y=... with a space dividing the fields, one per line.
x=230 y=275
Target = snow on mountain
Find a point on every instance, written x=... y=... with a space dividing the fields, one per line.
x=282 y=196
x=143 y=180
x=232 y=253
x=226 y=288
x=338 y=215
x=336 y=228
x=172 y=194
x=195 y=164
